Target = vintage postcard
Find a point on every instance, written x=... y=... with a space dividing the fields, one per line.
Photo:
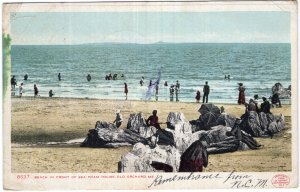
x=150 y=95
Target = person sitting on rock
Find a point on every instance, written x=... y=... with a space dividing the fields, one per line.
x=153 y=120
x=265 y=106
x=252 y=106
x=275 y=99
x=118 y=119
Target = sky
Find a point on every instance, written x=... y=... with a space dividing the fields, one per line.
x=149 y=27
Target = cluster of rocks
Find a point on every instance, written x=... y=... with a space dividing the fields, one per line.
x=283 y=93
x=184 y=145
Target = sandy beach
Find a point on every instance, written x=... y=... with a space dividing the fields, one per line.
x=36 y=121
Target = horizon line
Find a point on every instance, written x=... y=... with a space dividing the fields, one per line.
x=157 y=43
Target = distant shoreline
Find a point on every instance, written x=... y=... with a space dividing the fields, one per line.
x=157 y=43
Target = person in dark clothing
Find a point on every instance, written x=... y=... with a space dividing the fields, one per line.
x=198 y=96
x=153 y=120
x=51 y=93
x=241 y=99
x=172 y=93
x=150 y=83
x=89 y=77
x=194 y=158
x=142 y=81
x=13 y=82
x=177 y=85
x=205 y=92
x=125 y=89
x=156 y=92
x=176 y=93
x=25 y=77
x=36 y=91
x=166 y=84
x=265 y=106
x=275 y=99
x=110 y=77
x=59 y=77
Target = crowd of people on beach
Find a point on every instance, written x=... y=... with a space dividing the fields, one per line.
x=174 y=90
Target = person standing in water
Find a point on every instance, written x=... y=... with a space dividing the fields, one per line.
x=176 y=93
x=125 y=89
x=59 y=77
x=25 y=77
x=142 y=81
x=172 y=93
x=51 y=93
x=13 y=82
x=36 y=91
x=205 y=92
x=177 y=85
x=241 y=99
x=21 y=90
x=88 y=77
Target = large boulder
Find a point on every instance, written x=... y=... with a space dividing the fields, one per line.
x=147 y=132
x=209 y=115
x=283 y=93
x=262 y=124
x=136 y=121
x=277 y=124
x=227 y=120
x=181 y=130
x=105 y=125
x=142 y=158
x=222 y=139
x=251 y=124
x=196 y=125
x=175 y=117
x=107 y=135
x=194 y=158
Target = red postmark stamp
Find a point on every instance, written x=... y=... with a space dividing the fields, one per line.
x=280 y=181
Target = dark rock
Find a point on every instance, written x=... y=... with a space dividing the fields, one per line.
x=209 y=115
x=226 y=120
x=110 y=136
x=262 y=124
x=251 y=124
x=105 y=125
x=194 y=158
x=196 y=125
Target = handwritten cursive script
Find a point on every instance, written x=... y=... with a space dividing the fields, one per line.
x=237 y=180
x=159 y=180
x=234 y=180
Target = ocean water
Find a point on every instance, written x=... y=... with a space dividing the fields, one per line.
x=257 y=66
